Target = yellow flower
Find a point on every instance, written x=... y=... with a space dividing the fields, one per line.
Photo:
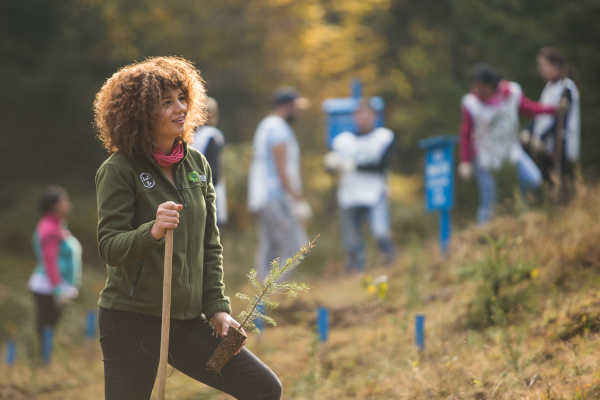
x=382 y=290
x=371 y=289
x=535 y=273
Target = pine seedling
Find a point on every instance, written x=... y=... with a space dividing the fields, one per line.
x=256 y=304
x=269 y=286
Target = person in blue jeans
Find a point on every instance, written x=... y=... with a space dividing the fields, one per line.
x=529 y=176
x=489 y=135
x=363 y=161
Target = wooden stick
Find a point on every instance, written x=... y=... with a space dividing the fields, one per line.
x=558 y=148
x=166 y=316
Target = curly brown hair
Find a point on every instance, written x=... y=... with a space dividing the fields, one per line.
x=129 y=104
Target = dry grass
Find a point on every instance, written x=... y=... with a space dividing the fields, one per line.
x=545 y=347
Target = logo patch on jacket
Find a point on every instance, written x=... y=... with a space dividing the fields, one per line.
x=195 y=177
x=147 y=180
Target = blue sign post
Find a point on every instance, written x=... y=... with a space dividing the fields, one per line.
x=340 y=112
x=439 y=181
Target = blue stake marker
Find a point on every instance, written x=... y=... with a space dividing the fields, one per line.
x=323 y=323
x=420 y=331
x=90 y=326
x=11 y=353
x=47 y=344
x=259 y=322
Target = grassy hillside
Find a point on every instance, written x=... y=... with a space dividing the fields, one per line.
x=513 y=313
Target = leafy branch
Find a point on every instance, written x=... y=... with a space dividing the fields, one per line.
x=271 y=285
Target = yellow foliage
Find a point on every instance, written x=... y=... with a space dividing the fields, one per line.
x=402 y=84
x=407 y=190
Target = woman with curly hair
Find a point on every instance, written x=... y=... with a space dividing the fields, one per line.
x=153 y=181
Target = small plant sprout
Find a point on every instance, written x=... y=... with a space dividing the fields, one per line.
x=271 y=285
x=260 y=300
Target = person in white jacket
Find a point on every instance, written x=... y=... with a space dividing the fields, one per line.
x=209 y=140
x=274 y=182
x=363 y=161
x=489 y=135
x=561 y=84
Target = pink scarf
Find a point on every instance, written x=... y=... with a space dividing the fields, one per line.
x=166 y=161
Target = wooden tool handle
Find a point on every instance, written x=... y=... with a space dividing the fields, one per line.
x=166 y=316
x=558 y=148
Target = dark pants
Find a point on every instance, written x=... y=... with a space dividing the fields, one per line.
x=48 y=312
x=547 y=167
x=567 y=184
x=130 y=345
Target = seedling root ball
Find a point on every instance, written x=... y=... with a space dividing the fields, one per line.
x=226 y=349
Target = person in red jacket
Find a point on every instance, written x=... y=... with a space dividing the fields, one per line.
x=489 y=135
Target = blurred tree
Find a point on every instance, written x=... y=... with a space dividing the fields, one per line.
x=54 y=56
x=431 y=45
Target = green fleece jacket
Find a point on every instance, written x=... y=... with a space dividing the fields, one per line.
x=129 y=191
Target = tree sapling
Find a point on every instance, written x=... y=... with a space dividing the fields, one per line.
x=259 y=301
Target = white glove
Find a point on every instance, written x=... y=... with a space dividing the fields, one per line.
x=465 y=170
x=61 y=301
x=64 y=294
x=335 y=162
x=524 y=137
x=302 y=211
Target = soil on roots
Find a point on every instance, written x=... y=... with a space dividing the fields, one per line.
x=226 y=349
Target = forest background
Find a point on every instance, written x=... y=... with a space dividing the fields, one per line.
x=514 y=301
x=54 y=57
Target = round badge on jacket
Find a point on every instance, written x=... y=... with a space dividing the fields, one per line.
x=147 y=180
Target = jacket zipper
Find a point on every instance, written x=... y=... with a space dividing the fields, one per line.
x=137 y=277
x=187 y=227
